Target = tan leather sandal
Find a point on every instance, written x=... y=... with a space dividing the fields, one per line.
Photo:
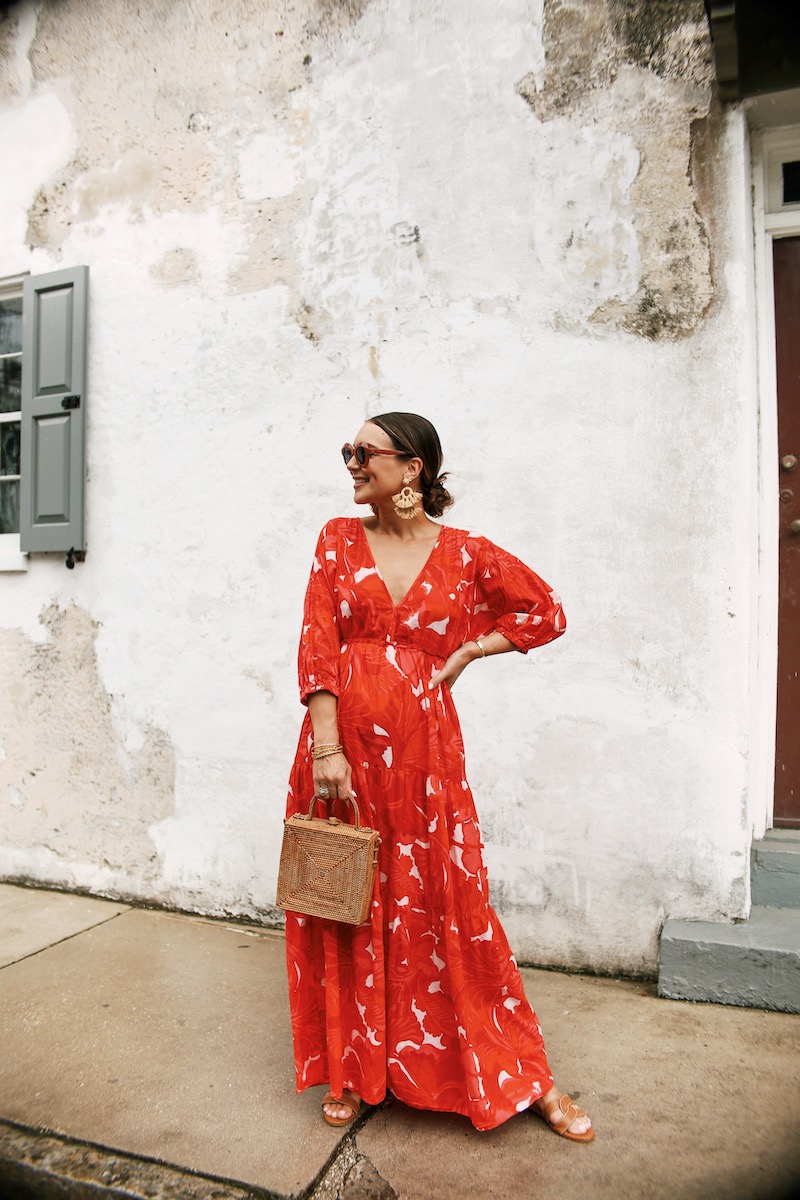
x=348 y=1099
x=568 y=1112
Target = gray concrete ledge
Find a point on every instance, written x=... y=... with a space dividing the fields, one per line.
x=775 y=869
x=754 y=964
x=35 y=1166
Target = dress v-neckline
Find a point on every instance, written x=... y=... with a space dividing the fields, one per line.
x=423 y=569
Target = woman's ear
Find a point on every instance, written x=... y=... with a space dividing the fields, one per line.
x=413 y=469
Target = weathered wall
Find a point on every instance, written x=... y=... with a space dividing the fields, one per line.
x=75 y=791
x=525 y=220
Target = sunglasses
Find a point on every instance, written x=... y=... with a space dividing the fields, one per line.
x=363 y=453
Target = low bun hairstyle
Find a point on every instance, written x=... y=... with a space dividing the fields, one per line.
x=414 y=437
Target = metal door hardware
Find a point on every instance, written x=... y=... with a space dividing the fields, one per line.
x=789 y=462
x=795 y=527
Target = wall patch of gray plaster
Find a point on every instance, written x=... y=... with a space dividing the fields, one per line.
x=305 y=320
x=198 y=123
x=17 y=29
x=49 y=217
x=622 y=66
x=666 y=37
x=581 y=55
x=69 y=784
x=130 y=180
x=178 y=266
x=338 y=13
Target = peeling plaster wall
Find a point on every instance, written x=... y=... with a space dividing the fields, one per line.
x=636 y=76
x=74 y=790
x=527 y=220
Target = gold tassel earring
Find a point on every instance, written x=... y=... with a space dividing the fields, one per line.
x=407 y=503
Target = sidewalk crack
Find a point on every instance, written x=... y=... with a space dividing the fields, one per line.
x=351 y=1175
x=67 y=938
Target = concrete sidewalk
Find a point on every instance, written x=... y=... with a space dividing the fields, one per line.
x=147 y=1054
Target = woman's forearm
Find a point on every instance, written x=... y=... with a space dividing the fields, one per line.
x=323 y=708
x=490 y=643
x=331 y=772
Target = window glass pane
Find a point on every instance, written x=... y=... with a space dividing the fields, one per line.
x=791 y=182
x=9 y=506
x=9 y=448
x=10 y=384
x=11 y=325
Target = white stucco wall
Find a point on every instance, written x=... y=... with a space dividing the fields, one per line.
x=333 y=209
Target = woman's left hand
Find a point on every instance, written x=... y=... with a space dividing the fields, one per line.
x=455 y=664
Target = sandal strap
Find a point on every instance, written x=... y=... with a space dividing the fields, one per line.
x=570 y=1112
x=347 y=1099
x=567 y=1109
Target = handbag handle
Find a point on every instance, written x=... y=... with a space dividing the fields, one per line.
x=335 y=820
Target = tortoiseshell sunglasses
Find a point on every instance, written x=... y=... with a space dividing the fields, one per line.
x=363 y=453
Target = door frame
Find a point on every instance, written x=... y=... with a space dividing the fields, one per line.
x=771 y=219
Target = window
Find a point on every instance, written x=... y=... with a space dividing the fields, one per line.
x=42 y=414
x=781 y=151
x=791 y=182
x=10 y=411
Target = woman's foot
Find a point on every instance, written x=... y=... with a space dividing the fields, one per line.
x=563 y=1116
x=343 y=1110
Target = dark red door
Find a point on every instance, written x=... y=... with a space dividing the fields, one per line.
x=786 y=260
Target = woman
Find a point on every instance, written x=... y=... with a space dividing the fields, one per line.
x=424 y=999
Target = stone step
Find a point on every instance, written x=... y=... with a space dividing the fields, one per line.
x=753 y=963
x=775 y=869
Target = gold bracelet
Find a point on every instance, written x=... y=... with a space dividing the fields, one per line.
x=325 y=751
x=481 y=647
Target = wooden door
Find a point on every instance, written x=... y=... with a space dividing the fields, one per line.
x=786 y=261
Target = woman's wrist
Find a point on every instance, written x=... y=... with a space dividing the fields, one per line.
x=486 y=644
x=474 y=649
x=325 y=735
x=323 y=709
x=325 y=750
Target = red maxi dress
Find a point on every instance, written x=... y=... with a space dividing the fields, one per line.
x=425 y=999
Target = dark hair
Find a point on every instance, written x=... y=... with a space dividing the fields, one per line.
x=415 y=437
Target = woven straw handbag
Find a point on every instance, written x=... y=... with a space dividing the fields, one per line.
x=327 y=866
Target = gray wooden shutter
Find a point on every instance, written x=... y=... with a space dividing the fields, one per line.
x=52 y=466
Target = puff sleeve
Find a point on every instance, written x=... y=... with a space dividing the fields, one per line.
x=318 y=654
x=512 y=599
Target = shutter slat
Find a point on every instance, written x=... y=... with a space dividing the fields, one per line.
x=54 y=308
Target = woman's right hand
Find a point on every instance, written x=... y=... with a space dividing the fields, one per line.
x=332 y=774
x=458 y=661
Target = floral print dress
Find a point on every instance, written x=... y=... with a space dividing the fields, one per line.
x=425 y=999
